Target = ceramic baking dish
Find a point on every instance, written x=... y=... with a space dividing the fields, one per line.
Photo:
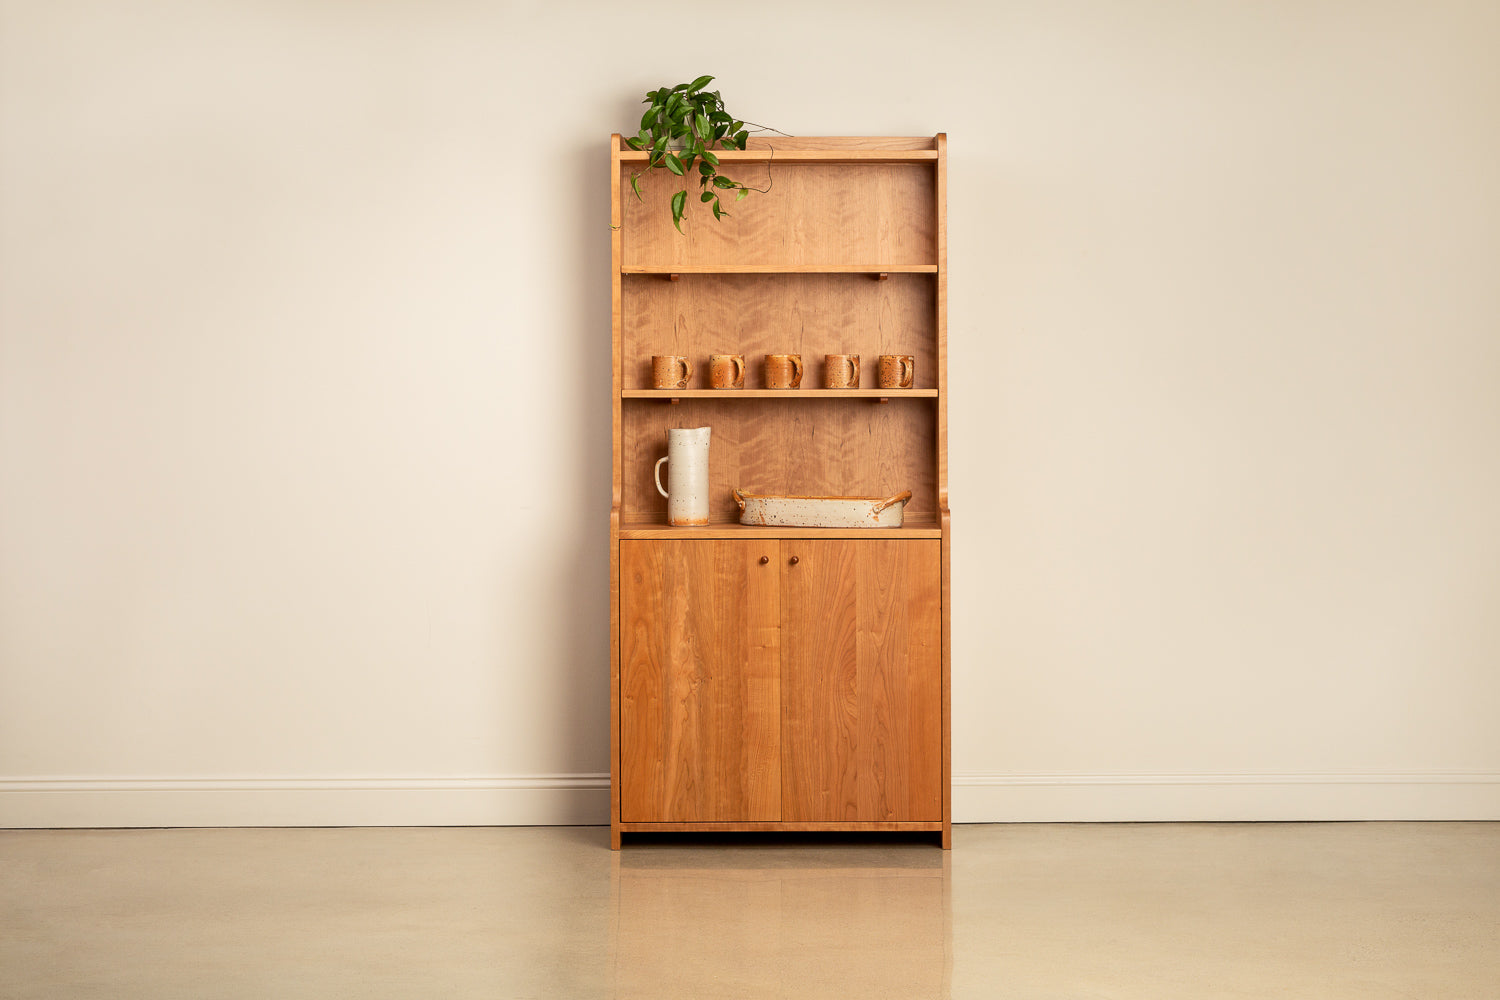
x=822 y=512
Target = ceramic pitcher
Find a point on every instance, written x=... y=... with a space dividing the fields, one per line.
x=687 y=476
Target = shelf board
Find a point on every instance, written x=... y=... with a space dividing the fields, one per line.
x=916 y=525
x=666 y=395
x=669 y=270
x=768 y=155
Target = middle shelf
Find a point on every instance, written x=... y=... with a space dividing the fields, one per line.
x=788 y=394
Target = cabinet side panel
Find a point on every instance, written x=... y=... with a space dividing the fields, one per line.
x=697 y=682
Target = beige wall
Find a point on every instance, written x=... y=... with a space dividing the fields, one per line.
x=304 y=418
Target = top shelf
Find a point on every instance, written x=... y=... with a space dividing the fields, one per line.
x=806 y=155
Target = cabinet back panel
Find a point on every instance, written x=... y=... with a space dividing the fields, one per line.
x=812 y=214
x=755 y=315
x=810 y=447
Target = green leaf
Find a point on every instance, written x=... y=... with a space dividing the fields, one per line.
x=679 y=203
x=647 y=118
x=674 y=164
x=688 y=161
x=719 y=212
x=723 y=182
x=740 y=195
x=705 y=168
x=710 y=157
x=703 y=181
x=707 y=196
x=634 y=143
x=702 y=123
x=719 y=116
x=742 y=137
x=659 y=146
x=699 y=83
x=635 y=185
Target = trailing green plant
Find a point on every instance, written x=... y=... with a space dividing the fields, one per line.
x=680 y=130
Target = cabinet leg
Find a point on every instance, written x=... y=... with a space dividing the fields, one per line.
x=614 y=838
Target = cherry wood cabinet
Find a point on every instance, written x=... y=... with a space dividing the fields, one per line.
x=783 y=678
x=794 y=681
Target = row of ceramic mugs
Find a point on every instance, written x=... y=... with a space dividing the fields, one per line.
x=783 y=371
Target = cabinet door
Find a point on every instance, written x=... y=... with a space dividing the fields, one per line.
x=861 y=680
x=699 y=697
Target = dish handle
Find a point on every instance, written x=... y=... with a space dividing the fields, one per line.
x=901 y=497
x=739 y=498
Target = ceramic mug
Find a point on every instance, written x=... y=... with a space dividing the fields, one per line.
x=841 y=371
x=783 y=371
x=670 y=371
x=726 y=371
x=897 y=371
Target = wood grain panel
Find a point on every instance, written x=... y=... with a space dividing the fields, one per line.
x=699 y=690
x=809 y=447
x=861 y=681
x=760 y=314
x=814 y=213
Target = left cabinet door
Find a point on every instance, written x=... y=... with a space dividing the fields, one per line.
x=700 y=700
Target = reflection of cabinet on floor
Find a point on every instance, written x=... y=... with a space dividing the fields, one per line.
x=787 y=681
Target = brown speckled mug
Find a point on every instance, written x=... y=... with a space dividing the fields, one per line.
x=726 y=371
x=670 y=371
x=896 y=371
x=783 y=371
x=841 y=371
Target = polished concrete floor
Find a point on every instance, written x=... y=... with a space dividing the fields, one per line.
x=1368 y=910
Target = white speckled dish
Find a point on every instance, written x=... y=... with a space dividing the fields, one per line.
x=822 y=512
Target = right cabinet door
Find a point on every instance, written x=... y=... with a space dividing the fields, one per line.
x=861 y=680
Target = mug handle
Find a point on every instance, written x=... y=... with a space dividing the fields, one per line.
x=908 y=371
x=796 y=370
x=854 y=371
x=738 y=364
x=658 y=476
x=687 y=377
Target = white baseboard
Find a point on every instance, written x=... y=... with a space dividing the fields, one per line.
x=528 y=800
x=583 y=799
x=1065 y=797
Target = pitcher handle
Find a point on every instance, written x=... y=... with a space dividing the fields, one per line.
x=658 y=476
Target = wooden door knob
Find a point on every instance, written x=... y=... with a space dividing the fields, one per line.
x=794 y=560
x=764 y=560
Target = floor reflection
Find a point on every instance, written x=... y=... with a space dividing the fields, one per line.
x=777 y=920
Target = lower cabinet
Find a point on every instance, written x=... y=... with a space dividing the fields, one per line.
x=794 y=681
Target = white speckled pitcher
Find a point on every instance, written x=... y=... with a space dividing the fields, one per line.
x=687 y=476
